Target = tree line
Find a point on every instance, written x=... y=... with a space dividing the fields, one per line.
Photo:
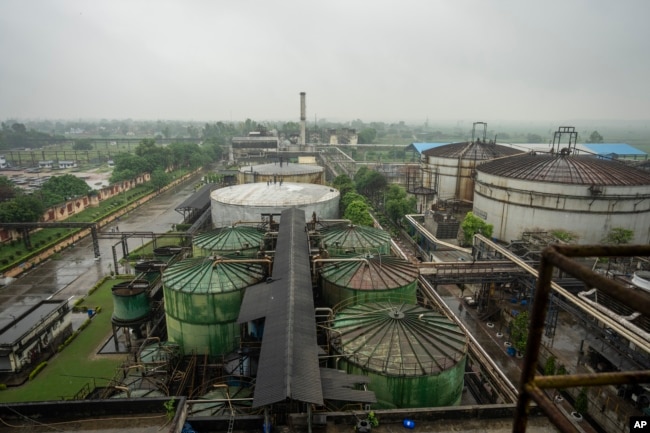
x=19 y=206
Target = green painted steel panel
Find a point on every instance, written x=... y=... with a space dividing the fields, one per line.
x=130 y=305
x=443 y=389
x=342 y=241
x=202 y=302
x=235 y=241
x=211 y=339
x=416 y=356
x=369 y=279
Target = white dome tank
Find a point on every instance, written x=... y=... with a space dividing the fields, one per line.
x=584 y=195
x=249 y=201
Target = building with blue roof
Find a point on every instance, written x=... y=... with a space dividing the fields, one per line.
x=616 y=150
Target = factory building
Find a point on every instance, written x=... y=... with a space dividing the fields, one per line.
x=34 y=335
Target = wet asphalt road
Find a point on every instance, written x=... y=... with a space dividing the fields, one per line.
x=76 y=270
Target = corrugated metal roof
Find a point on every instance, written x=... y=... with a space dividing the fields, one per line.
x=288 y=365
x=203 y=275
x=372 y=273
x=338 y=385
x=570 y=169
x=17 y=329
x=421 y=147
x=398 y=339
x=613 y=148
x=199 y=200
x=229 y=239
x=477 y=150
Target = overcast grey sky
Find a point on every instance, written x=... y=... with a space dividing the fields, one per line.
x=517 y=60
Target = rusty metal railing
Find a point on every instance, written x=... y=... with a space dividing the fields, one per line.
x=532 y=387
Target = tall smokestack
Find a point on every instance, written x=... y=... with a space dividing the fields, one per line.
x=303 y=118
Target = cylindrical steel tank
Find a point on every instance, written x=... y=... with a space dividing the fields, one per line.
x=584 y=195
x=368 y=279
x=202 y=301
x=249 y=202
x=285 y=171
x=414 y=356
x=131 y=303
x=346 y=240
x=159 y=353
x=450 y=168
x=240 y=241
x=223 y=398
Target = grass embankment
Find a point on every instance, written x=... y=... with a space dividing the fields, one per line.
x=78 y=363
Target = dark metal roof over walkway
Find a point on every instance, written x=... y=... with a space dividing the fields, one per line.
x=197 y=202
x=288 y=366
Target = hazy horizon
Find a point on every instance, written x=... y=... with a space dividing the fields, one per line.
x=556 y=62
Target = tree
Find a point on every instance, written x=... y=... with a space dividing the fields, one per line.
x=367 y=136
x=398 y=203
x=58 y=189
x=22 y=209
x=344 y=184
x=519 y=331
x=369 y=182
x=582 y=401
x=595 y=137
x=549 y=367
x=619 y=236
x=472 y=225
x=159 y=179
x=7 y=189
x=357 y=212
x=349 y=198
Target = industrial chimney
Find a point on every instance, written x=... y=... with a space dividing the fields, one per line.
x=303 y=118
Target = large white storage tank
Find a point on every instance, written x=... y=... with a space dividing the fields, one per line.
x=584 y=195
x=250 y=201
x=450 y=169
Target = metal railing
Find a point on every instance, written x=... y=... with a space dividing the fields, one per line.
x=533 y=388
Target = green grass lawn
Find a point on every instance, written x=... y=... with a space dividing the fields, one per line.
x=78 y=364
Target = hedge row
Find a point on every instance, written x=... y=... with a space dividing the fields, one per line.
x=37 y=370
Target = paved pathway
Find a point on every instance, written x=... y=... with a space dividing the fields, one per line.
x=76 y=270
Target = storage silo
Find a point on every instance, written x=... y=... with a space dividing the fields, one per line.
x=222 y=400
x=344 y=240
x=202 y=301
x=283 y=170
x=584 y=195
x=131 y=302
x=240 y=240
x=451 y=168
x=249 y=202
x=414 y=356
x=369 y=278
